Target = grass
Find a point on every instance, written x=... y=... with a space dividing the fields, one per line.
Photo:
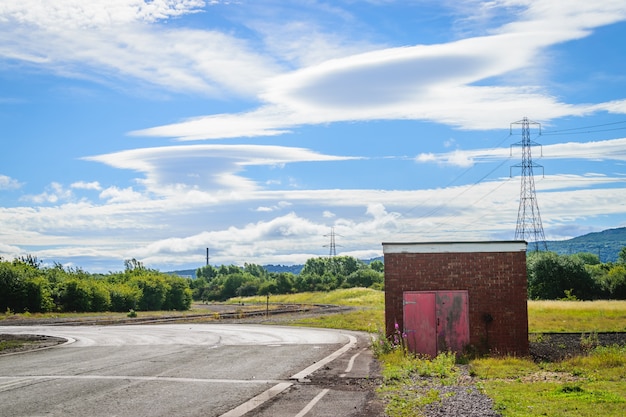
x=592 y=385
x=10 y=344
x=369 y=316
x=196 y=308
x=576 y=316
x=410 y=382
x=355 y=297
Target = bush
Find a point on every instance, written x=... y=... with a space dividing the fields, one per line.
x=550 y=275
x=124 y=297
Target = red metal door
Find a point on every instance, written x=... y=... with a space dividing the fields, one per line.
x=436 y=321
x=452 y=321
x=420 y=325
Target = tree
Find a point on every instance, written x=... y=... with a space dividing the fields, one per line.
x=612 y=281
x=133 y=265
x=621 y=257
x=75 y=295
x=588 y=258
x=178 y=296
x=154 y=289
x=377 y=265
x=364 y=278
x=284 y=283
x=550 y=275
x=207 y=272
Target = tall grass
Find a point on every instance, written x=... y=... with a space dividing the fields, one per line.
x=356 y=297
x=577 y=316
x=368 y=316
x=592 y=385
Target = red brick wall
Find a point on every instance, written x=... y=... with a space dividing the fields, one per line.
x=496 y=283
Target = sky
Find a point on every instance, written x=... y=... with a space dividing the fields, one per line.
x=262 y=129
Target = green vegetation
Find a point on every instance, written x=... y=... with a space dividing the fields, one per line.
x=368 y=317
x=318 y=274
x=410 y=382
x=582 y=386
x=605 y=245
x=10 y=344
x=27 y=287
x=579 y=316
x=575 y=277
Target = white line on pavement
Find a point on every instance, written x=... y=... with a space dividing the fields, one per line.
x=314 y=401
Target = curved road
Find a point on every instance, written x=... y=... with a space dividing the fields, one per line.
x=227 y=370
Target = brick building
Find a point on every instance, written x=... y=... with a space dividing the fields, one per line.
x=458 y=295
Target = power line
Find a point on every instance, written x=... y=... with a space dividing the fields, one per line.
x=441 y=206
x=583 y=132
x=571 y=130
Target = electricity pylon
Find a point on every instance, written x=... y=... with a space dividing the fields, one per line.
x=331 y=245
x=529 y=227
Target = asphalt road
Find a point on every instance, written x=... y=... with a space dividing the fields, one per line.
x=227 y=370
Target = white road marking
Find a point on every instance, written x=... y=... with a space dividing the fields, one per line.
x=314 y=401
x=351 y=363
x=258 y=400
x=317 y=365
x=277 y=389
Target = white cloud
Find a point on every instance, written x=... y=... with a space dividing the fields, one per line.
x=94 y=13
x=166 y=231
x=9 y=252
x=8 y=183
x=348 y=81
x=612 y=149
x=424 y=82
x=54 y=193
x=279 y=206
x=83 y=185
x=122 y=39
x=119 y=195
x=177 y=169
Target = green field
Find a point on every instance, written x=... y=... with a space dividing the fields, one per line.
x=576 y=316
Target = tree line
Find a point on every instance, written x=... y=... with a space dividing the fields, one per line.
x=580 y=276
x=318 y=274
x=26 y=286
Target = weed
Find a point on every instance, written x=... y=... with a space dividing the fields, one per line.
x=10 y=344
x=589 y=342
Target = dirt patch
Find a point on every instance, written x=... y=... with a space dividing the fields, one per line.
x=12 y=343
x=553 y=347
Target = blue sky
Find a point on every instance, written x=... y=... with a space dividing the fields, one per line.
x=156 y=129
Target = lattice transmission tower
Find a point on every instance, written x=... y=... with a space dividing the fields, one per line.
x=529 y=227
x=331 y=245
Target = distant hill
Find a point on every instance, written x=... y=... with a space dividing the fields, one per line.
x=294 y=269
x=606 y=244
x=185 y=273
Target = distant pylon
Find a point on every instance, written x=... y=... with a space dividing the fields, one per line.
x=529 y=227
x=331 y=245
